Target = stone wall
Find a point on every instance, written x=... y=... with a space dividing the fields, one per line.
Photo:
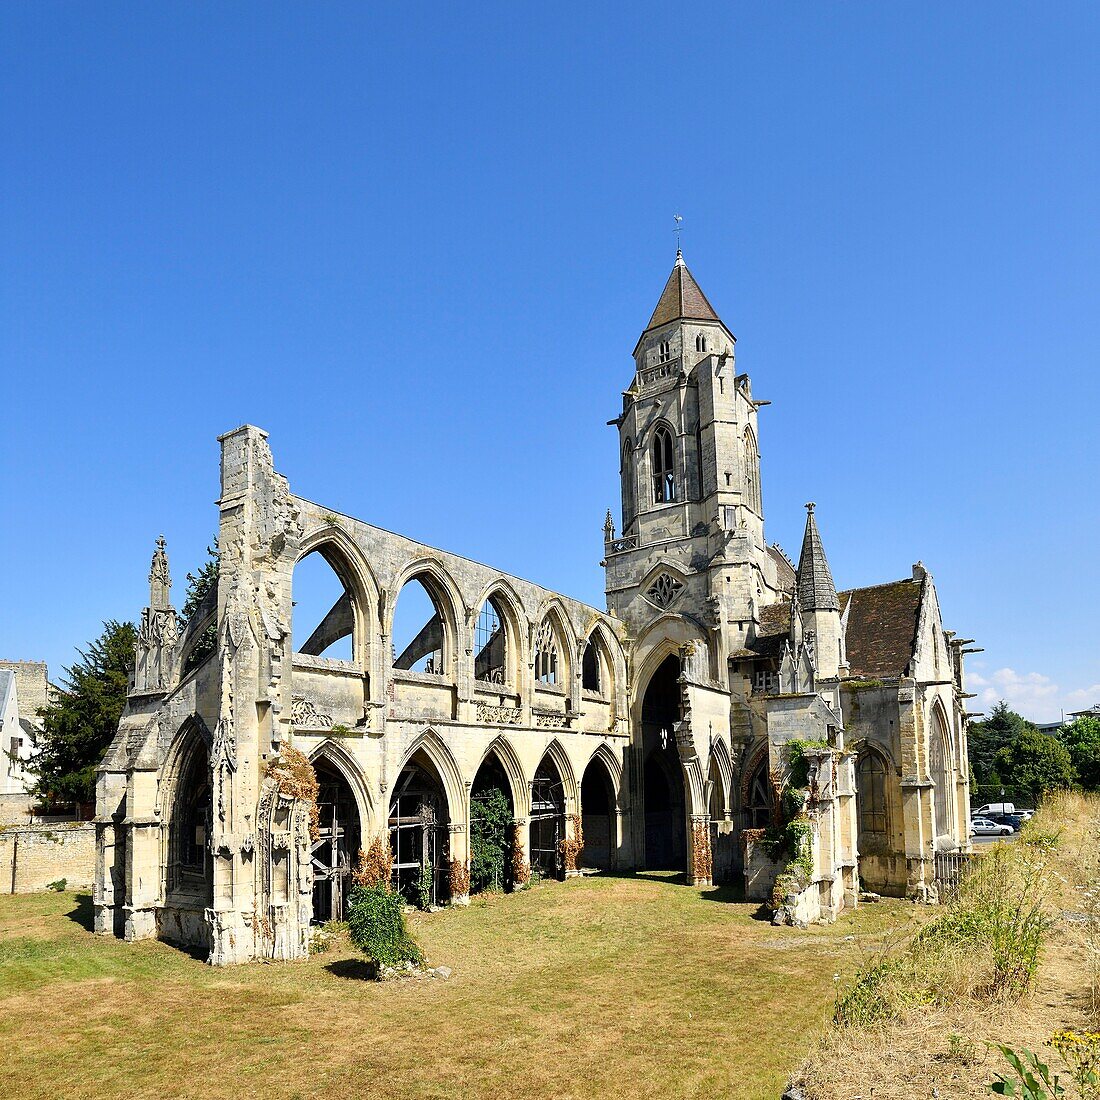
x=31 y=686
x=33 y=856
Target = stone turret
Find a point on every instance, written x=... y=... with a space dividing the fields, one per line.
x=819 y=603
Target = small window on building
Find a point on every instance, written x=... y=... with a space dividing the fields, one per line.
x=546 y=654
x=664 y=352
x=664 y=473
x=700 y=342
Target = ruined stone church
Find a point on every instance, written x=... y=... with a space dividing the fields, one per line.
x=663 y=732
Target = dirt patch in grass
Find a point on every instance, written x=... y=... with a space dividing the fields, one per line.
x=604 y=986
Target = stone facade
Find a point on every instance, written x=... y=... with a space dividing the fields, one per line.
x=34 y=856
x=645 y=728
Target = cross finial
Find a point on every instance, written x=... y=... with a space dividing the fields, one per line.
x=679 y=220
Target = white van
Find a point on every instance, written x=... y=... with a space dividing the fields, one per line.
x=995 y=808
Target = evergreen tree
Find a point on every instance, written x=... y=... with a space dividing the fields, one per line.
x=1082 y=738
x=986 y=739
x=1036 y=761
x=79 y=726
x=199 y=586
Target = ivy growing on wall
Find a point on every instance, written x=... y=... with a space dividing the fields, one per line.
x=490 y=839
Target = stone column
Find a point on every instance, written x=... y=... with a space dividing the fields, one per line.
x=521 y=852
x=700 y=859
x=141 y=828
x=459 y=852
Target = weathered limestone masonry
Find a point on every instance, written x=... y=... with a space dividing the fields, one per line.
x=667 y=732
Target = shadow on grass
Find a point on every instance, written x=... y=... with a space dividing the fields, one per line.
x=659 y=878
x=82 y=914
x=355 y=970
x=730 y=893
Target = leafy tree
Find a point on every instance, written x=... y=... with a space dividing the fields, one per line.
x=987 y=738
x=1082 y=738
x=199 y=586
x=490 y=842
x=1036 y=761
x=79 y=726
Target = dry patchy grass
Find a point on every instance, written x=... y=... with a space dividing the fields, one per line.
x=948 y=1048
x=616 y=986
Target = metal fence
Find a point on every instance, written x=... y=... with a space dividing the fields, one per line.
x=950 y=868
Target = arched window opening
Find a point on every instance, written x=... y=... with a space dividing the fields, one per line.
x=546 y=654
x=759 y=805
x=490 y=645
x=871 y=798
x=720 y=843
x=751 y=463
x=547 y=820
x=663 y=793
x=191 y=868
x=939 y=755
x=418 y=833
x=664 y=472
x=598 y=815
x=334 y=852
x=591 y=670
x=492 y=817
x=323 y=623
x=664 y=351
x=700 y=342
x=418 y=637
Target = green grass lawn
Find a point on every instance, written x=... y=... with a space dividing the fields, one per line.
x=621 y=986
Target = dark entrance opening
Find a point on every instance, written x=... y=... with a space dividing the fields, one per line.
x=492 y=818
x=418 y=831
x=547 y=820
x=663 y=780
x=337 y=846
x=598 y=816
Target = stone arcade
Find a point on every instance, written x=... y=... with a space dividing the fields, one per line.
x=660 y=729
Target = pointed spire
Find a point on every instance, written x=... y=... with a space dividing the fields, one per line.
x=681 y=299
x=160 y=580
x=816 y=591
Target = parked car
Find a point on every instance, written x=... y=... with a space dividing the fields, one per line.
x=1015 y=820
x=994 y=808
x=982 y=826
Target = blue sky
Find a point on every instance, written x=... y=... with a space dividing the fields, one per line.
x=418 y=245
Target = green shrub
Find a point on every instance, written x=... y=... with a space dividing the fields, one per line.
x=490 y=839
x=881 y=990
x=424 y=885
x=59 y=885
x=376 y=925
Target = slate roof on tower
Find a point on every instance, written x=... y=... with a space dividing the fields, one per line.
x=881 y=632
x=816 y=591
x=681 y=299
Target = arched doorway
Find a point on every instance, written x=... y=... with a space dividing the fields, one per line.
x=721 y=836
x=598 y=815
x=340 y=836
x=492 y=817
x=190 y=863
x=663 y=779
x=418 y=830
x=547 y=820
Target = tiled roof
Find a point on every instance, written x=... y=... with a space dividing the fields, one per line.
x=681 y=299
x=882 y=628
x=816 y=591
x=775 y=626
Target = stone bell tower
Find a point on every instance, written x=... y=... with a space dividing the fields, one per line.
x=692 y=538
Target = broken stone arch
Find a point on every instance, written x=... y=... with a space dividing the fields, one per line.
x=510 y=609
x=334 y=754
x=443 y=593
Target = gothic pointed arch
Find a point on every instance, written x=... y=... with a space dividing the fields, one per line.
x=332 y=752
x=508 y=651
x=611 y=763
x=553 y=647
x=555 y=752
x=750 y=455
x=598 y=811
x=941 y=769
x=186 y=807
x=664 y=475
x=434 y=647
x=519 y=785
x=442 y=760
x=722 y=765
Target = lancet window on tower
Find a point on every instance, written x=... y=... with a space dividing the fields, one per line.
x=664 y=471
x=700 y=342
x=664 y=352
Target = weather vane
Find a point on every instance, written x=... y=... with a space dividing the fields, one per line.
x=678 y=219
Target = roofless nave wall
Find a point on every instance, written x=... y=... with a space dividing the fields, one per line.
x=653 y=731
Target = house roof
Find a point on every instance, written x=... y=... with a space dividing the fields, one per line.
x=784 y=570
x=881 y=629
